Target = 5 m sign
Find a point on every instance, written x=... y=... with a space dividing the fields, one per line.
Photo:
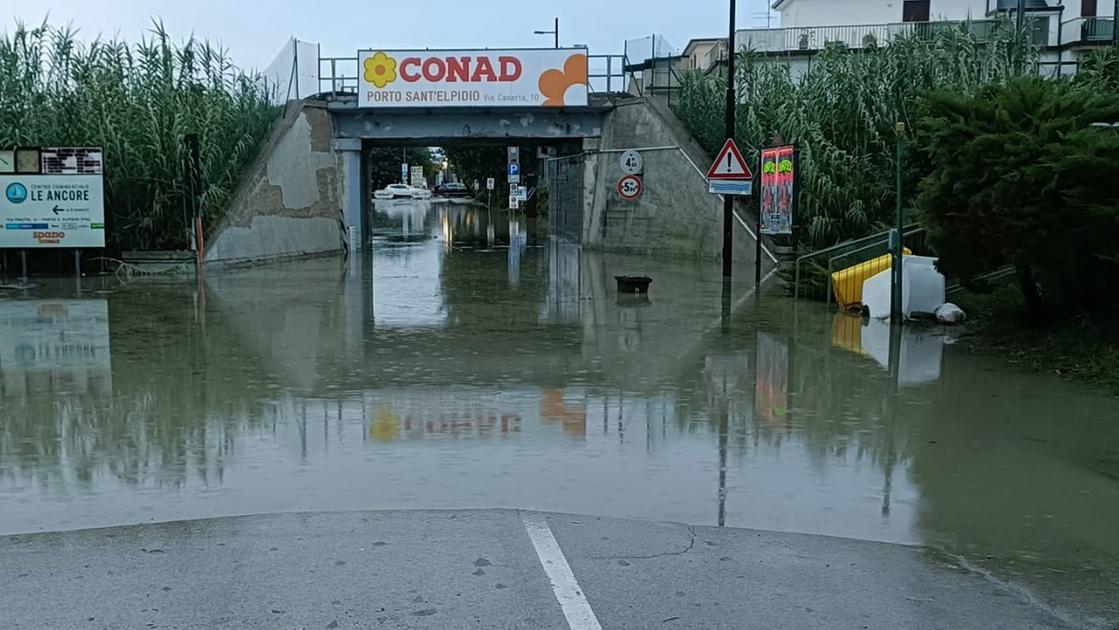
x=473 y=78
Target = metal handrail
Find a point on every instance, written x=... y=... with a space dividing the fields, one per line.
x=878 y=243
x=332 y=82
x=846 y=245
x=1085 y=30
x=809 y=38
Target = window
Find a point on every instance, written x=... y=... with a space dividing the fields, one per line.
x=1088 y=8
x=915 y=11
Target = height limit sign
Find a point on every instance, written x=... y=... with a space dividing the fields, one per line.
x=730 y=175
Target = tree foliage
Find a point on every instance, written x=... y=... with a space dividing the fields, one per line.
x=137 y=101
x=385 y=161
x=1019 y=176
x=478 y=162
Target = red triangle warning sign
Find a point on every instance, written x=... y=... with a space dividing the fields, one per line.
x=729 y=164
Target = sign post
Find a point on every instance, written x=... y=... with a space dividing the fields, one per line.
x=728 y=200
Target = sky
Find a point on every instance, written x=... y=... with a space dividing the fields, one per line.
x=254 y=31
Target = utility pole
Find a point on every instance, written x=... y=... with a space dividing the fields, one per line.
x=728 y=200
x=557 y=32
x=1115 y=25
x=1021 y=14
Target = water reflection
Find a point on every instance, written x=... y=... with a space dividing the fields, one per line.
x=470 y=361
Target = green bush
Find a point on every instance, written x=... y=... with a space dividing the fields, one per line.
x=1019 y=176
x=137 y=102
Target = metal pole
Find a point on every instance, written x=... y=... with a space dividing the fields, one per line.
x=728 y=200
x=757 y=249
x=898 y=263
x=78 y=270
x=295 y=63
x=1021 y=14
x=23 y=264
x=195 y=156
x=557 y=32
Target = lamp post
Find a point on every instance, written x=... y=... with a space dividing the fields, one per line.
x=554 y=31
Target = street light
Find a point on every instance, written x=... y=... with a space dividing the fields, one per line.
x=554 y=31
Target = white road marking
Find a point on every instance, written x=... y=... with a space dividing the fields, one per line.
x=568 y=593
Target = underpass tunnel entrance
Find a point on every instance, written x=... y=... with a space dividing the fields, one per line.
x=406 y=185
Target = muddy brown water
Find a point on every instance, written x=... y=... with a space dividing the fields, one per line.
x=470 y=361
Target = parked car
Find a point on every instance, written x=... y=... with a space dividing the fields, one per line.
x=393 y=191
x=452 y=189
x=421 y=193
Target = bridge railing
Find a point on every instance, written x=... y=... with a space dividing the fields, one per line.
x=338 y=76
x=610 y=73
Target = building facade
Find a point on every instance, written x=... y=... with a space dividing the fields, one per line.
x=1064 y=29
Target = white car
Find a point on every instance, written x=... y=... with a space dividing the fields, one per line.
x=421 y=193
x=394 y=191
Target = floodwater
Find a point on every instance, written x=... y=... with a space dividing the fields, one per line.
x=470 y=361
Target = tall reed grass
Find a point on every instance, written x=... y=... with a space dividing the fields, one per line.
x=841 y=110
x=137 y=101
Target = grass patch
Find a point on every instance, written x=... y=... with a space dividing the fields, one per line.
x=1083 y=347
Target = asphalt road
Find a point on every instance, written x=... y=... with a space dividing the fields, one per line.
x=486 y=569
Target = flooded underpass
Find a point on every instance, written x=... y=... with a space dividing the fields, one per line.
x=468 y=360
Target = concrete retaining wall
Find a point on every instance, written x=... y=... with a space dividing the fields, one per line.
x=289 y=203
x=675 y=216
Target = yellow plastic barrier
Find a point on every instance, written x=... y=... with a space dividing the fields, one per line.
x=847 y=284
x=847 y=332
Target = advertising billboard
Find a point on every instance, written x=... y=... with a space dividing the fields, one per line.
x=38 y=211
x=778 y=189
x=555 y=77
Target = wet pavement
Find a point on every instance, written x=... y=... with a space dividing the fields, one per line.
x=470 y=361
x=483 y=569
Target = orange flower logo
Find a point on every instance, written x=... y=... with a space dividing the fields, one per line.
x=380 y=69
x=567 y=86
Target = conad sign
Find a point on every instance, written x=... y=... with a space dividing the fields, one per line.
x=473 y=78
